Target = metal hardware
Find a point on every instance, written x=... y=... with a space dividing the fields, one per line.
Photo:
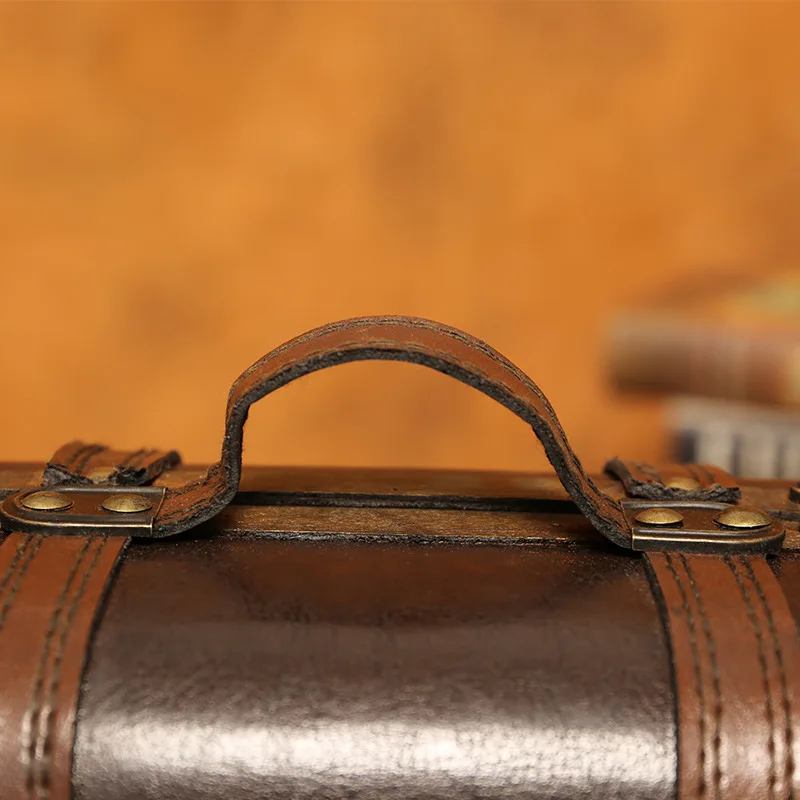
x=88 y=510
x=679 y=482
x=46 y=501
x=660 y=517
x=743 y=518
x=100 y=474
x=126 y=503
x=700 y=532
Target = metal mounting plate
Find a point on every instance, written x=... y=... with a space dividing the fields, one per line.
x=700 y=532
x=85 y=513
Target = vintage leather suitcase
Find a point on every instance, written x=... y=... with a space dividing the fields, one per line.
x=173 y=633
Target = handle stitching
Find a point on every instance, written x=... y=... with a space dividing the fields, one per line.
x=548 y=419
x=444 y=357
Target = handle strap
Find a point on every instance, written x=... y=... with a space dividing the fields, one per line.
x=409 y=339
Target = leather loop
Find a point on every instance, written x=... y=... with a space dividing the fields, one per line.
x=408 y=339
x=675 y=481
x=78 y=463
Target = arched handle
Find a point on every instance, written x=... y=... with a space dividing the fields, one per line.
x=417 y=341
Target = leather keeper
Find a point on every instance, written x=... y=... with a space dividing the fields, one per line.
x=674 y=481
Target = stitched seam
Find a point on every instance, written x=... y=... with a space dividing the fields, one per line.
x=94 y=450
x=649 y=471
x=30 y=553
x=12 y=565
x=442 y=356
x=785 y=700
x=34 y=710
x=143 y=458
x=694 y=472
x=762 y=662
x=711 y=477
x=698 y=675
x=136 y=454
x=712 y=654
x=55 y=676
x=78 y=452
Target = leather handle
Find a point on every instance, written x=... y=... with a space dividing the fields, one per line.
x=409 y=339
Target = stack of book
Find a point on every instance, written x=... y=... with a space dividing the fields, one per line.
x=727 y=357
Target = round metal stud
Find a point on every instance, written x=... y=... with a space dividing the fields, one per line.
x=100 y=474
x=687 y=484
x=126 y=503
x=660 y=517
x=743 y=518
x=46 y=501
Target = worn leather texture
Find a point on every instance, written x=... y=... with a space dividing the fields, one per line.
x=408 y=339
x=240 y=667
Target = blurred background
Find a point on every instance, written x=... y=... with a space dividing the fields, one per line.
x=185 y=186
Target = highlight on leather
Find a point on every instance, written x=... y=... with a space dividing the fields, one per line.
x=390 y=338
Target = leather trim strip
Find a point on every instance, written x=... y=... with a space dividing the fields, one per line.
x=51 y=588
x=736 y=664
x=654 y=483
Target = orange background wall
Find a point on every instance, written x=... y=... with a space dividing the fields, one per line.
x=185 y=186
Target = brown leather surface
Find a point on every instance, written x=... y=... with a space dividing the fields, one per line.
x=49 y=592
x=237 y=666
x=736 y=662
x=413 y=340
x=651 y=482
x=788 y=569
x=78 y=462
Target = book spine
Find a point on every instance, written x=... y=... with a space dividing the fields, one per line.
x=748 y=441
x=671 y=356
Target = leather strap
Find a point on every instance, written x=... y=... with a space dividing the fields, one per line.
x=409 y=339
x=736 y=664
x=81 y=463
x=51 y=589
x=675 y=481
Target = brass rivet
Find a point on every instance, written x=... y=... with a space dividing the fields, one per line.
x=743 y=518
x=687 y=484
x=662 y=517
x=46 y=501
x=100 y=474
x=126 y=503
